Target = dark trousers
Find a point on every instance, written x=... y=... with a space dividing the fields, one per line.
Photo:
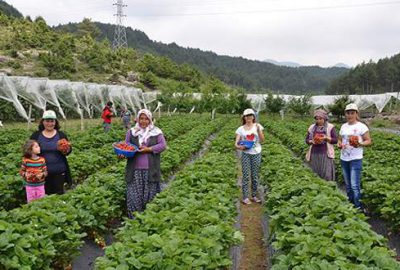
x=55 y=183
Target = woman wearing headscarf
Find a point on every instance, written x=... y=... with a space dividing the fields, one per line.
x=143 y=172
x=321 y=137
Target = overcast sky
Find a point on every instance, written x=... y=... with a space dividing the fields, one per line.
x=310 y=32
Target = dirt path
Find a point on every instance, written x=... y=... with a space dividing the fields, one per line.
x=254 y=253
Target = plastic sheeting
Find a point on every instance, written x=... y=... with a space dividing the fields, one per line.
x=9 y=93
x=78 y=96
x=363 y=101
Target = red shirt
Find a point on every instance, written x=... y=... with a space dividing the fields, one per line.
x=106 y=115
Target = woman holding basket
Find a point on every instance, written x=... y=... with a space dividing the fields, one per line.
x=143 y=170
x=252 y=133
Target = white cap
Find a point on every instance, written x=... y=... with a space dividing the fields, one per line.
x=49 y=115
x=248 y=112
x=351 y=107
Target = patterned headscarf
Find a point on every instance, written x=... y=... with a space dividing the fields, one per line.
x=321 y=113
x=149 y=131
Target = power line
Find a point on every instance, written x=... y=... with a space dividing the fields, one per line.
x=273 y=10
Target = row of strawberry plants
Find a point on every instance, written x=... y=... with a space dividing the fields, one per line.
x=312 y=225
x=82 y=164
x=184 y=146
x=61 y=222
x=380 y=181
x=85 y=160
x=47 y=233
x=190 y=224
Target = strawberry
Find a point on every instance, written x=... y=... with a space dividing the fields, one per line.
x=353 y=140
x=63 y=146
x=318 y=138
x=124 y=146
x=250 y=137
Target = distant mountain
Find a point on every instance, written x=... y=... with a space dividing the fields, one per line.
x=342 y=65
x=9 y=10
x=294 y=64
x=285 y=63
x=254 y=76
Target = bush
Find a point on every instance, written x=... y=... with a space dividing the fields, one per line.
x=274 y=104
x=337 y=108
x=300 y=106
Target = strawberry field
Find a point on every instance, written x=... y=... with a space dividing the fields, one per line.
x=190 y=224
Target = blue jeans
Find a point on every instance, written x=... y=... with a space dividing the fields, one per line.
x=106 y=127
x=352 y=178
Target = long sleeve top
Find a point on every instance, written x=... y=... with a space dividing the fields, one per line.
x=142 y=160
x=34 y=171
x=321 y=148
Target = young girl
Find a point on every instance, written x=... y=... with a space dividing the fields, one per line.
x=33 y=170
x=251 y=158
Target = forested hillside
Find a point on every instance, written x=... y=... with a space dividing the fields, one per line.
x=369 y=78
x=9 y=10
x=255 y=76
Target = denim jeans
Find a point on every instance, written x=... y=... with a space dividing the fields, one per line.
x=352 y=178
x=106 y=127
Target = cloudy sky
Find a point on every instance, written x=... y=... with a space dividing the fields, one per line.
x=321 y=32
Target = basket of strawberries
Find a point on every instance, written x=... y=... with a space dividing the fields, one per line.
x=126 y=149
x=354 y=141
x=249 y=142
x=318 y=138
x=63 y=146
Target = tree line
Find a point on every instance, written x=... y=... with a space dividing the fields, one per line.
x=369 y=78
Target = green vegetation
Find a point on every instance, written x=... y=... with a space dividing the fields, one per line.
x=369 y=78
x=312 y=225
x=34 y=49
x=255 y=76
x=9 y=10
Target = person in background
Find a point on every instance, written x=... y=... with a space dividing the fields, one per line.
x=143 y=171
x=353 y=137
x=251 y=158
x=33 y=171
x=107 y=115
x=49 y=136
x=321 y=137
x=126 y=118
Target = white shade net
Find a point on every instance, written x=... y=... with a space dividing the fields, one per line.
x=9 y=93
x=362 y=101
x=78 y=96
x=88 y=97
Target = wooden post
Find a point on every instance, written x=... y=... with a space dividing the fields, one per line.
x=29 y=116
x=82 y=124
x=213 y=114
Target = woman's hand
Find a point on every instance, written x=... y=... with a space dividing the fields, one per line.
x=145 y=149
x=260 y=133
x=240 y=147
x=121 y=156
x=340 y=145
